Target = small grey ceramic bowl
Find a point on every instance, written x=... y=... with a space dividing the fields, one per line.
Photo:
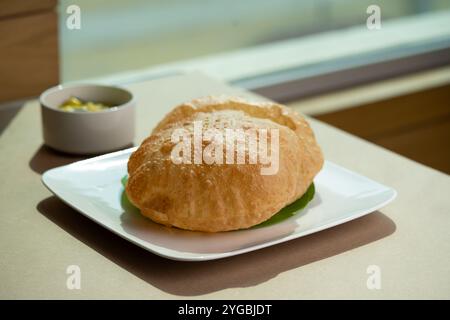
x=88 y=132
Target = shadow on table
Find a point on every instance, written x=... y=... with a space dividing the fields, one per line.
x=196 y=278
x=46 y=158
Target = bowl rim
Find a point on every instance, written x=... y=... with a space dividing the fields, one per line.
x=60 y=87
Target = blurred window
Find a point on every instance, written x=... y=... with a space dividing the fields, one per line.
x=123 y=35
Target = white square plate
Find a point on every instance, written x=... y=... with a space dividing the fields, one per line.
x=93 y=187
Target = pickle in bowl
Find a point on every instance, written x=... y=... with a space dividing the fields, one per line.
x=74 y=104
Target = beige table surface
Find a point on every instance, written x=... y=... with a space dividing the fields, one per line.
x=40 y=236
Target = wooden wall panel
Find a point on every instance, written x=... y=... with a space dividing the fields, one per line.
x=16 y=7
x=28 y=53
x=416 y=125
x=428 y=144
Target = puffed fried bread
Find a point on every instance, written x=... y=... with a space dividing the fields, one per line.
x=222 y=197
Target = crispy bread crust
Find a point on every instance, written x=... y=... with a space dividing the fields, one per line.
x=223 y=197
